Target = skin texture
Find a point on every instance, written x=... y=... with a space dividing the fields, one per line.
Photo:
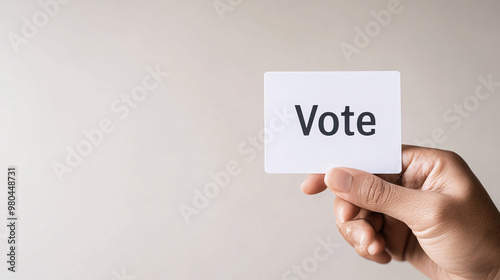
x=435 y=215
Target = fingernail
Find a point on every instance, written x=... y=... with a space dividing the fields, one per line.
x=371 y=248
x=339 y=180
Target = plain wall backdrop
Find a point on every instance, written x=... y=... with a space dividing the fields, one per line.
x=65 y=67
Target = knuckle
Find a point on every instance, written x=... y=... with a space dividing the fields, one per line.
x=375 y=193
x=451 y=158
x=344 y=232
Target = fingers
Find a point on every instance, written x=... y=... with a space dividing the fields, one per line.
x=375 y=251
x=314 y=184
x=430 y=169
x=373 y=193
x=344 y=210
x=377 y=247
x=361 y=229
x=369 y=244
x=413 y=158
x=399 y=234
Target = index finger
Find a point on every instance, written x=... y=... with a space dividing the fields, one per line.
x=313 y=184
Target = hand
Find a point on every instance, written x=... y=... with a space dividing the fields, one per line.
x=435 y=215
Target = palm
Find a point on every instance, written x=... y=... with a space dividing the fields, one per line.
x=429 y=237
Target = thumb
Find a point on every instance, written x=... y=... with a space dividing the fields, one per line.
x=373 y=193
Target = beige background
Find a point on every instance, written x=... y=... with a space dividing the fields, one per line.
x=117 y=214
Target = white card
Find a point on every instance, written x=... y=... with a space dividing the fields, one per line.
x=318 y=120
